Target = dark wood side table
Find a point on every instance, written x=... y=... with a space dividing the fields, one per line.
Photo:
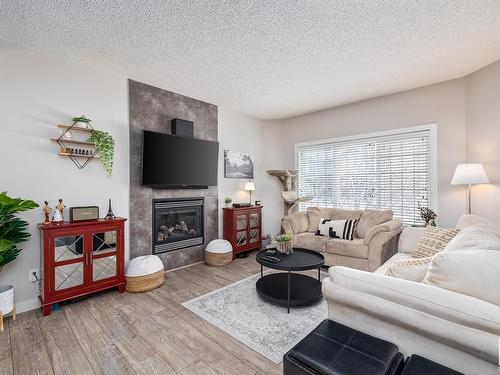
x=242 y=227
x=79 y=258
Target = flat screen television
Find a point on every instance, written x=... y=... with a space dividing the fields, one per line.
x=170 y=161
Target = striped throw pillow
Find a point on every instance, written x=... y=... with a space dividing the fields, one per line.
x=343 y=229
x=433 y=241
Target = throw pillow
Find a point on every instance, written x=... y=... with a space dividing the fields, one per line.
x=409 y=238
x=314 y=214
x=298 y=221
x=475 y=237
x=343 y=229
x=413 y=269
x=341 y=214
x=433 y=241
x=466 y=220
x=472 y=272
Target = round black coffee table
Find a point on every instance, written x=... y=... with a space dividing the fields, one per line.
x=287 y=288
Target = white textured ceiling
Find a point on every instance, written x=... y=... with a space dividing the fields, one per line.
x=269 y=59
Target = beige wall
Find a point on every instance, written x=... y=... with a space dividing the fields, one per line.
x=260 y=139
x=483 y=136
x=442 y=104
x=38 y=92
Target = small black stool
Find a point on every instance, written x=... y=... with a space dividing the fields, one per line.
x=416 y=365
x=335 y=349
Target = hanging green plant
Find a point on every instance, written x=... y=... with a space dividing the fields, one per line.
x=106 y=147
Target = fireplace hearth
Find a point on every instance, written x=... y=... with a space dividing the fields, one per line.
x=177 y=224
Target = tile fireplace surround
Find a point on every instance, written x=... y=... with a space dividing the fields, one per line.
x=152 y=109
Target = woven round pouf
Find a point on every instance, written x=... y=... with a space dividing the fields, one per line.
x=144 y=274
x=218 y=253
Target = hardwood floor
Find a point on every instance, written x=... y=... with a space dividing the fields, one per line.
x=150 y=333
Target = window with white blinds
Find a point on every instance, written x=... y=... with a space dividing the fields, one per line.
x=391 y=171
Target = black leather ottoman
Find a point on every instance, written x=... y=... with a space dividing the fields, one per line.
x=416 y=365
x=335 y=349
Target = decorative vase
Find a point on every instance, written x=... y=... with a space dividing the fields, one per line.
x=6 y=302
x=110 y=215
x=285 y=247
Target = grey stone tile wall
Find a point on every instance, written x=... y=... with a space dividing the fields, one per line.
x=152 y=108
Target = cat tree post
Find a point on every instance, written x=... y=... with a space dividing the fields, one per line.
x=290 y=196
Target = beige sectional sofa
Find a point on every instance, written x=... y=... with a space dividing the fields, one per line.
x=375 y=238
x=458 y=330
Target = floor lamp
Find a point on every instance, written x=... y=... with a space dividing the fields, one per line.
x=469 y=174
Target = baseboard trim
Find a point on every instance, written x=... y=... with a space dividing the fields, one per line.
x=28 y=305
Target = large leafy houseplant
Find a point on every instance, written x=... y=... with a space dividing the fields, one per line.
x=106 y=146
x=13 y=230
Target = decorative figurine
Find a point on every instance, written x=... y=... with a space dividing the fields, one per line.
x=46 y=211
x=58 y=216
x=110 y=215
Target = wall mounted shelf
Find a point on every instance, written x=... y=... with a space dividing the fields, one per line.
x=72 y=141
x=78 y=156
x=75 y=128
x=66 y=143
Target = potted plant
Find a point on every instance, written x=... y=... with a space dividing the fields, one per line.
x=228 y=201
x=284 y=243
x=13 y=231
x=428 y=215
x=82 y=119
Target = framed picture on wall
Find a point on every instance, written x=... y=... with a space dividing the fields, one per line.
x=238 y=165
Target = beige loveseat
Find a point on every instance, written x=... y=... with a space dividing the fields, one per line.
x=375 y=237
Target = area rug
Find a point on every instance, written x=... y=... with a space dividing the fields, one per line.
x=238 y=310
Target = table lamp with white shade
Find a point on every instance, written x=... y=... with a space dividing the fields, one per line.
x=249 y=186
x=469 y=174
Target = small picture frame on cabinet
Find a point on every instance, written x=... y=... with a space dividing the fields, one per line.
x=257 y=203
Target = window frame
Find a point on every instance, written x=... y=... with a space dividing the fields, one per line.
x=431 y=127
